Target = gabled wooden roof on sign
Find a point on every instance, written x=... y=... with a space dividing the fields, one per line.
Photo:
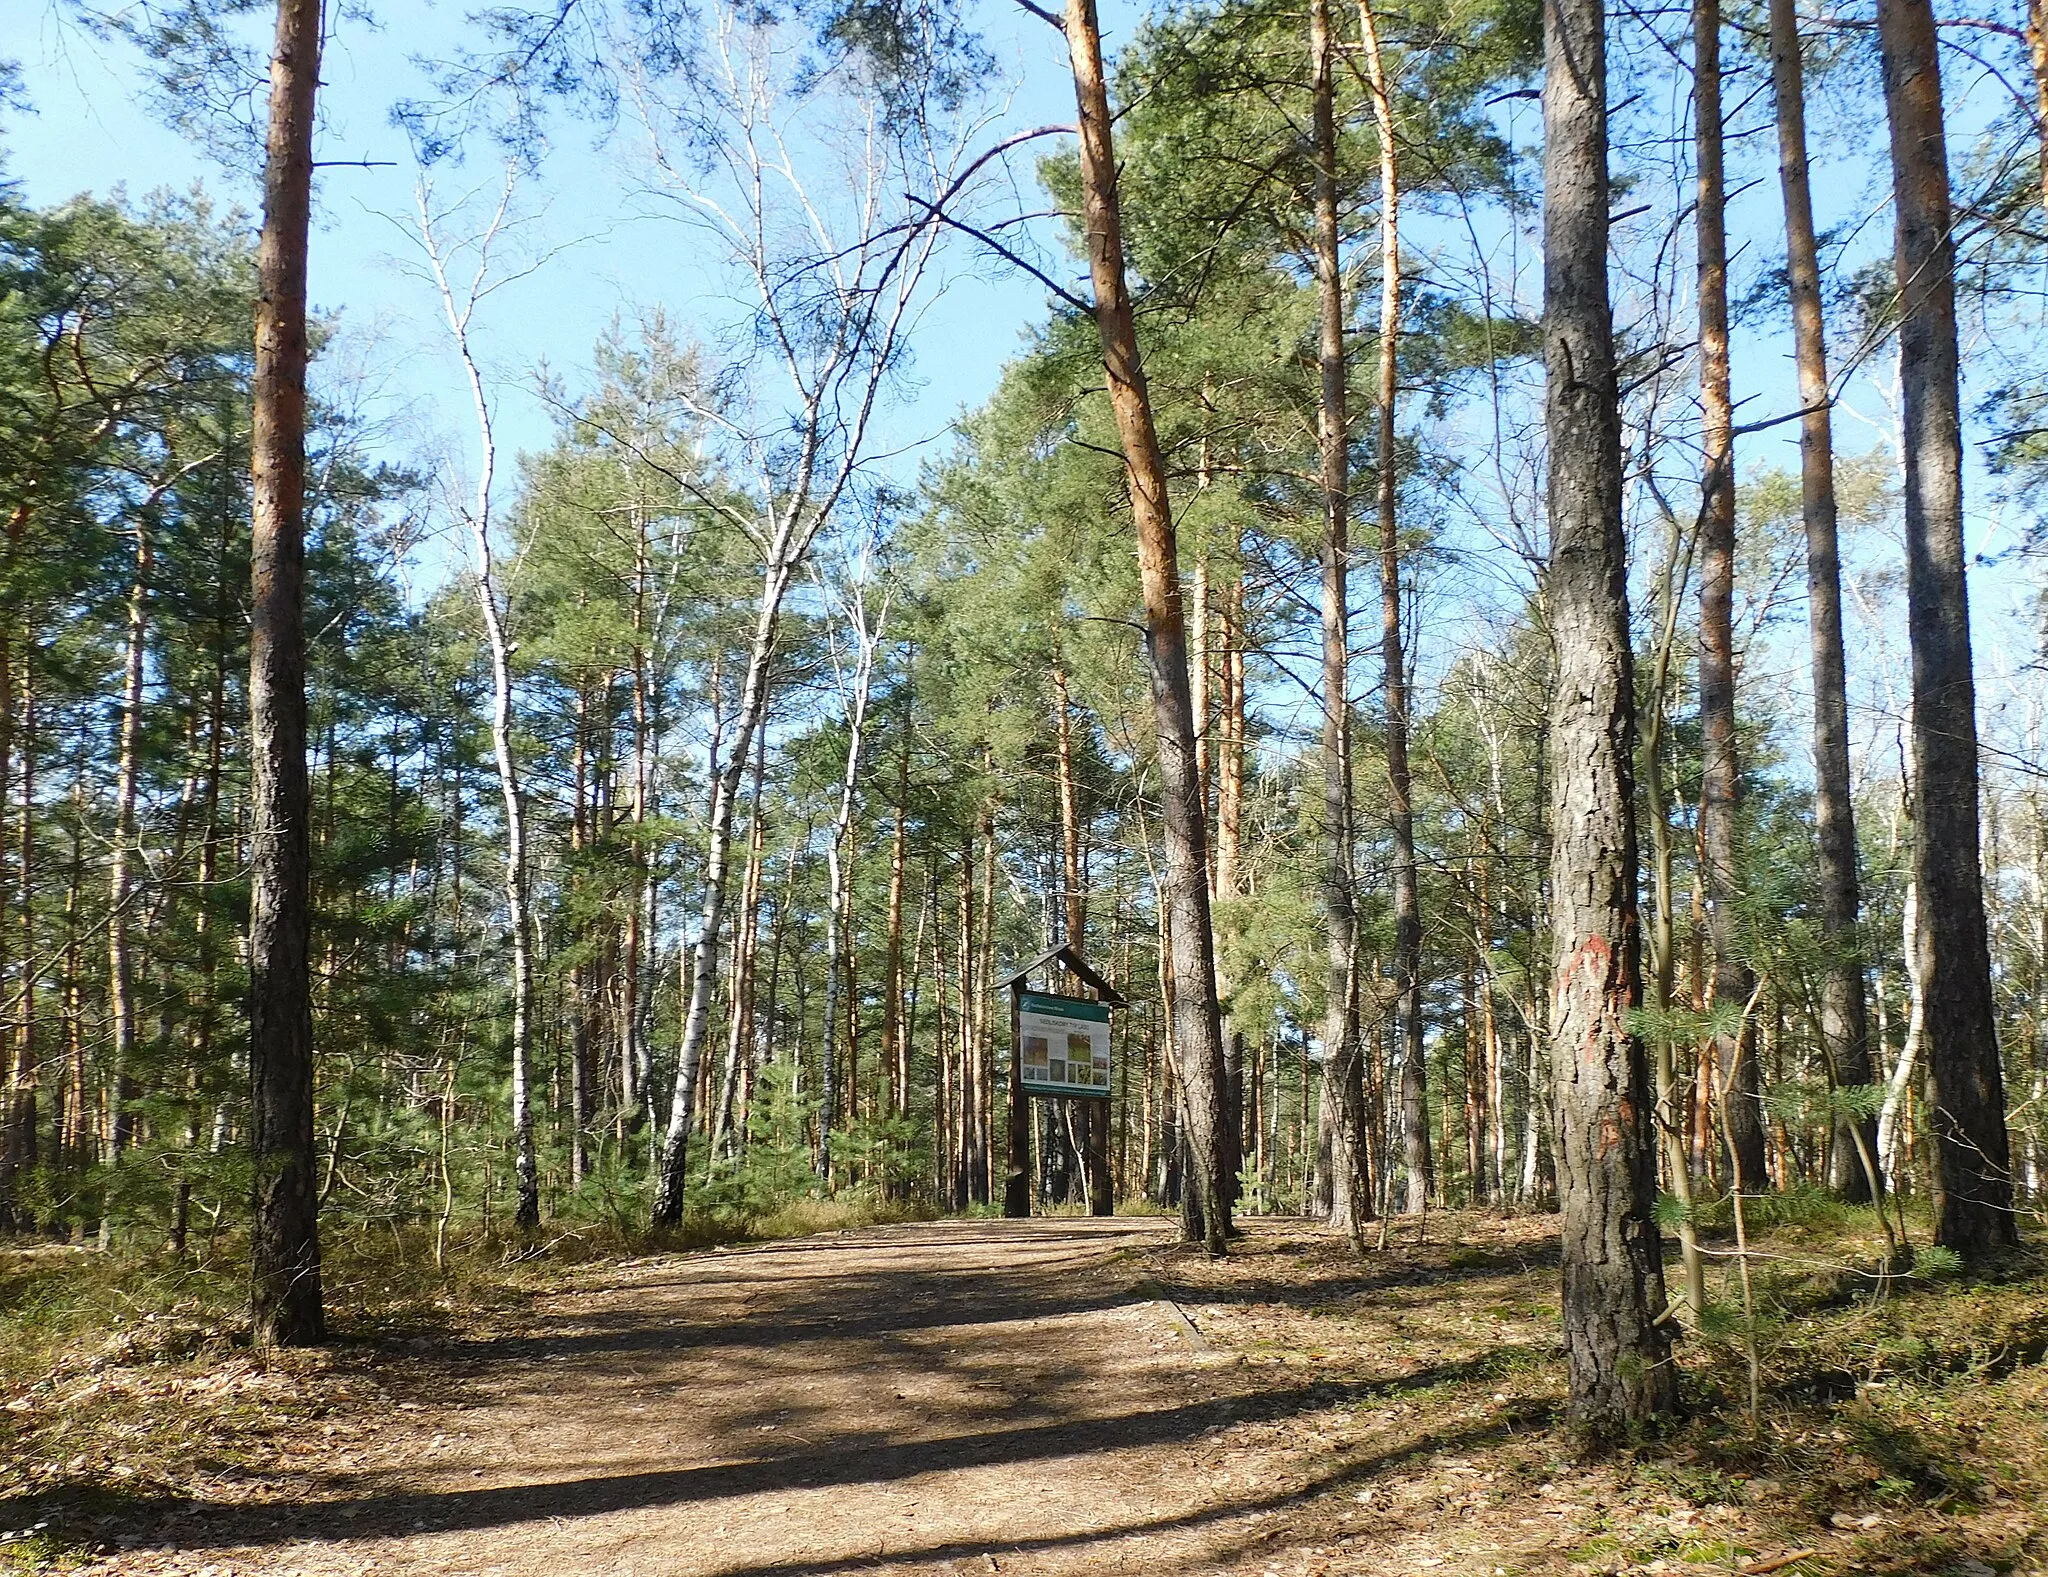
x=1064 y=954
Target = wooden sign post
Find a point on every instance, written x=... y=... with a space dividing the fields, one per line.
x=1059 y=1046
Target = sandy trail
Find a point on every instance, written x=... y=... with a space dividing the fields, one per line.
x=964 y=1396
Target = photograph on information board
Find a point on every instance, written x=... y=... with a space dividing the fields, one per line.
x=1065 y=1045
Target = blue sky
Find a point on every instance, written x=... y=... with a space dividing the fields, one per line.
x=92 y=129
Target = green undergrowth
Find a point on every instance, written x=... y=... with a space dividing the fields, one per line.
x=1901 y=1423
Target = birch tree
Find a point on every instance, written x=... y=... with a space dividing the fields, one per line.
x=834 y=264
x=459 y=301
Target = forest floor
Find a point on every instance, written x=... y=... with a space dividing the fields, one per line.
x=1061 y=1395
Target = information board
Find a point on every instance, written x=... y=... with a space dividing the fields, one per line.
x=1063 y=1045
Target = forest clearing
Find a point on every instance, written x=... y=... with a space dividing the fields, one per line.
x=1243 y=786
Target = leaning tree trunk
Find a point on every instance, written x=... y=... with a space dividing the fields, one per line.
x=1393 y=659
x=1198 y=1034
x=519 y=920
x=1673 y=1100
x=839 y=894
x=1343 y=1058
x=1973 y=1196
x=1720 y=770
x=1844 y=1024
x=739 y=1029
x=672 y=1164
x=284 y=1244
x=1615 y=1349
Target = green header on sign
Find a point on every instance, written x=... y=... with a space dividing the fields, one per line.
x=1064 y=1007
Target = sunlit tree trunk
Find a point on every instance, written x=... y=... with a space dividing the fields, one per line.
x=1198 y=1035
x=2037 y=60
x=18 y=1115
x=1720 y=770
x=120 y=883
x=1343 y=1093
x=897 y=1017
x=984 y=1002
x=582 y=997
x=1393 y=657
x=839 y=877
x=1972 y=1184
x=1844 y=1024
x=498 y=648
x=1615 y=1349
x=285 y=1298
x=631 y=1027
x=701 y=973
x=746 y=946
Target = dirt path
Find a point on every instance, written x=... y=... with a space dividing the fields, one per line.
x=1011 y=1397
x=960 y=1396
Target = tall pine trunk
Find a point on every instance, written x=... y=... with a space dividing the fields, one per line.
x=897 y=1015
x=1198 y=1036
x=1343 y=1098
x=1720 y=767
x=1844 y=1023
x=285 y=1300
x=1972 y=1184
x=1393 y=659
x=1606 y=1160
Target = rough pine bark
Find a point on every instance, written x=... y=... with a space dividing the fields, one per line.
x=1844 y=1020
x=2037 y=61
x=1616 y=1352
x=1198 y=1035
x=285 y=1299
x=1972 y=1183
